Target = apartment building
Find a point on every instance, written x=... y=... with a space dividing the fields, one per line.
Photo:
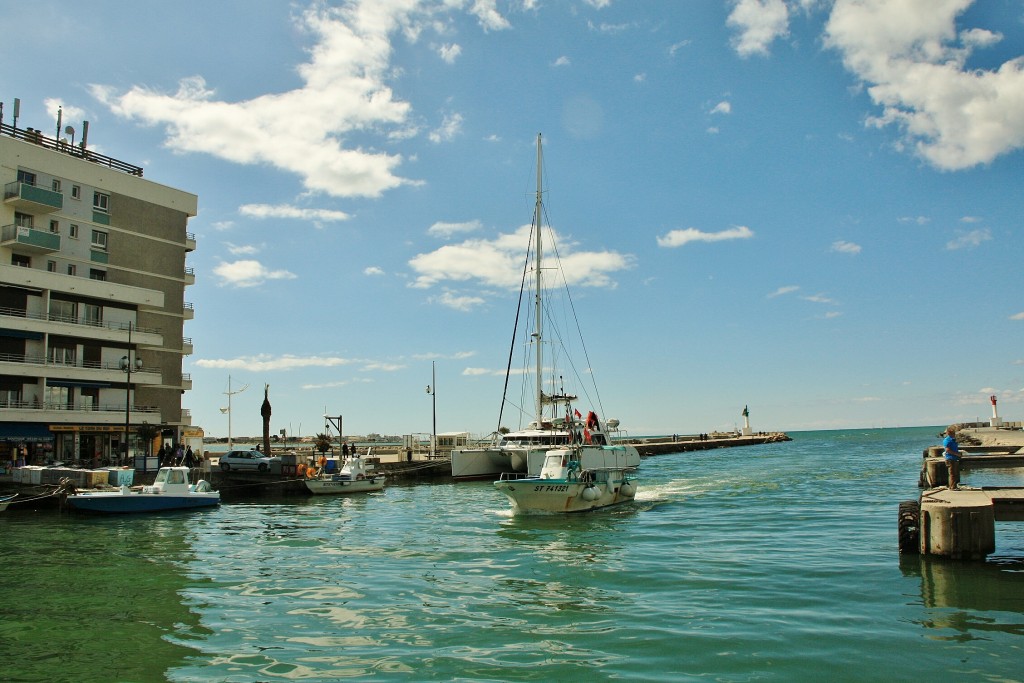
x=93 y=277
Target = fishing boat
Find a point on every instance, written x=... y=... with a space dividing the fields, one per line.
x=170 y=490
x=355 y=476
x=6 y=500
x=564 y=463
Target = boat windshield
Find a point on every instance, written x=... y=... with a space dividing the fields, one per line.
x=161 y=476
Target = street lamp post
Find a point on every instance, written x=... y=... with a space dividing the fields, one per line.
x=432 y=390
x=228 y=409
x=126 y=366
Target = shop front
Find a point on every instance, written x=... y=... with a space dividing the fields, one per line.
x=25 y=443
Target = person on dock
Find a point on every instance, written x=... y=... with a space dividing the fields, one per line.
x=951 y=452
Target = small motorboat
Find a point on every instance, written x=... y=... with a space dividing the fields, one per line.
x=171 y=490
x=6 y=500
x=355 y=476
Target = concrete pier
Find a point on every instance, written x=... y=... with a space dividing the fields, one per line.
x=960 y=524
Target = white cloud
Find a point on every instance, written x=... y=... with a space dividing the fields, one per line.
x=372 y=271
x=445 y=229
x=498 y=263
x=676 y=47
x=458 y=302
x=1017 y=316
x=242 y=249
x=844 y=247
x=305 y=131
x=789 y=289
x=562 y=61
x=759 y=23
x=448 y=129
x=264 y=362
x=969 y=240
x=722 y=108
x=288 y=211
x=919 y=220
x=248 y=273
x=677 y=238
x=818 y=299
x=914 y=62
x=449 y=53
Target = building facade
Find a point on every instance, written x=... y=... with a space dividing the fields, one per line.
x=92 y=305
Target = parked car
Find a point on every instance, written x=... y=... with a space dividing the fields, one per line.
x=246 y=460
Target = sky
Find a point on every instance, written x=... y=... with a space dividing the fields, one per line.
x=808 y=207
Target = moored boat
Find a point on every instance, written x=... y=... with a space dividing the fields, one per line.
x=6 y=500
x=355 y=476
x=170 y=490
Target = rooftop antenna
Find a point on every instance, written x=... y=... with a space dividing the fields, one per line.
x=60 y=114
x=85 y=141
x=68 y=130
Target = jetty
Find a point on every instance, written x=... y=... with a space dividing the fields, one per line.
x=959 y=523
x=686 y=444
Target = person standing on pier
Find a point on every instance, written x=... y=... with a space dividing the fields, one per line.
x=951 y=452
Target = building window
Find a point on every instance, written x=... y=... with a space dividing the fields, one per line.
x=10 y=397
x=56 y=185
x=62 y=355
x=95 y=274
x=76 y=191
x=73 y=231
x=92 y=314
x=23 y=220
x=27 y=177
x=20 y=260
x=55 y=226
x=88 y=398
x=99 y=240
x=57 y=398
x=64 y=311
x=101 y=202
x=51 y=266
x=72 y=269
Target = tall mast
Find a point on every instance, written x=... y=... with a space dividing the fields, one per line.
x=537 y=293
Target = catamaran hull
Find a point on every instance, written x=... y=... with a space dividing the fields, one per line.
x=490 y=463
x=344 y=486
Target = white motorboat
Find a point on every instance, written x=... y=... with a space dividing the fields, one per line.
x=355 y=476
x=170 y=490
x=558 y=464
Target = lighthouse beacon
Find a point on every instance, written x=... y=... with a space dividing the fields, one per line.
x=996 y=421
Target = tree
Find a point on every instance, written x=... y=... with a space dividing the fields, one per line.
x=322 y=443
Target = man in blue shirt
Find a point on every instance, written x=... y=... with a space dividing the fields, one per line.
x=951 y=452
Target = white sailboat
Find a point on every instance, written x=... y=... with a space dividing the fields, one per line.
x=557 y=464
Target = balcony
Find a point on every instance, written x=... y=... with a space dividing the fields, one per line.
x=23 y=365
x=60 y=413
x=190 y=276
x=186 y=381
x=189 y=310
x=186 y=346
x=22 y=239
x=190 y=241
x=31 y=199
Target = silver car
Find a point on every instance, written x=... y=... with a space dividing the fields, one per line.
x=246 y=460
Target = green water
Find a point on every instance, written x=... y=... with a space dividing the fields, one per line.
x=767 y=563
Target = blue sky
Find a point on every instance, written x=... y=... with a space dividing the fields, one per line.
x=809 y=207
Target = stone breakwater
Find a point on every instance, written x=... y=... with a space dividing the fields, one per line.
x=649 y=447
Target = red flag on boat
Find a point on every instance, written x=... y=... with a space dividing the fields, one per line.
x=578 y=413
x=586 y=435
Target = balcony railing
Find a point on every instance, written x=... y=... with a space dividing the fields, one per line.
x=30 y=239
x=36 y=137
x=35 y=199
x=123 y=327
x=91 y=407
x=78 y=364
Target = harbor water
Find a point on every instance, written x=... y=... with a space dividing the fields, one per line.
x=764 y=563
